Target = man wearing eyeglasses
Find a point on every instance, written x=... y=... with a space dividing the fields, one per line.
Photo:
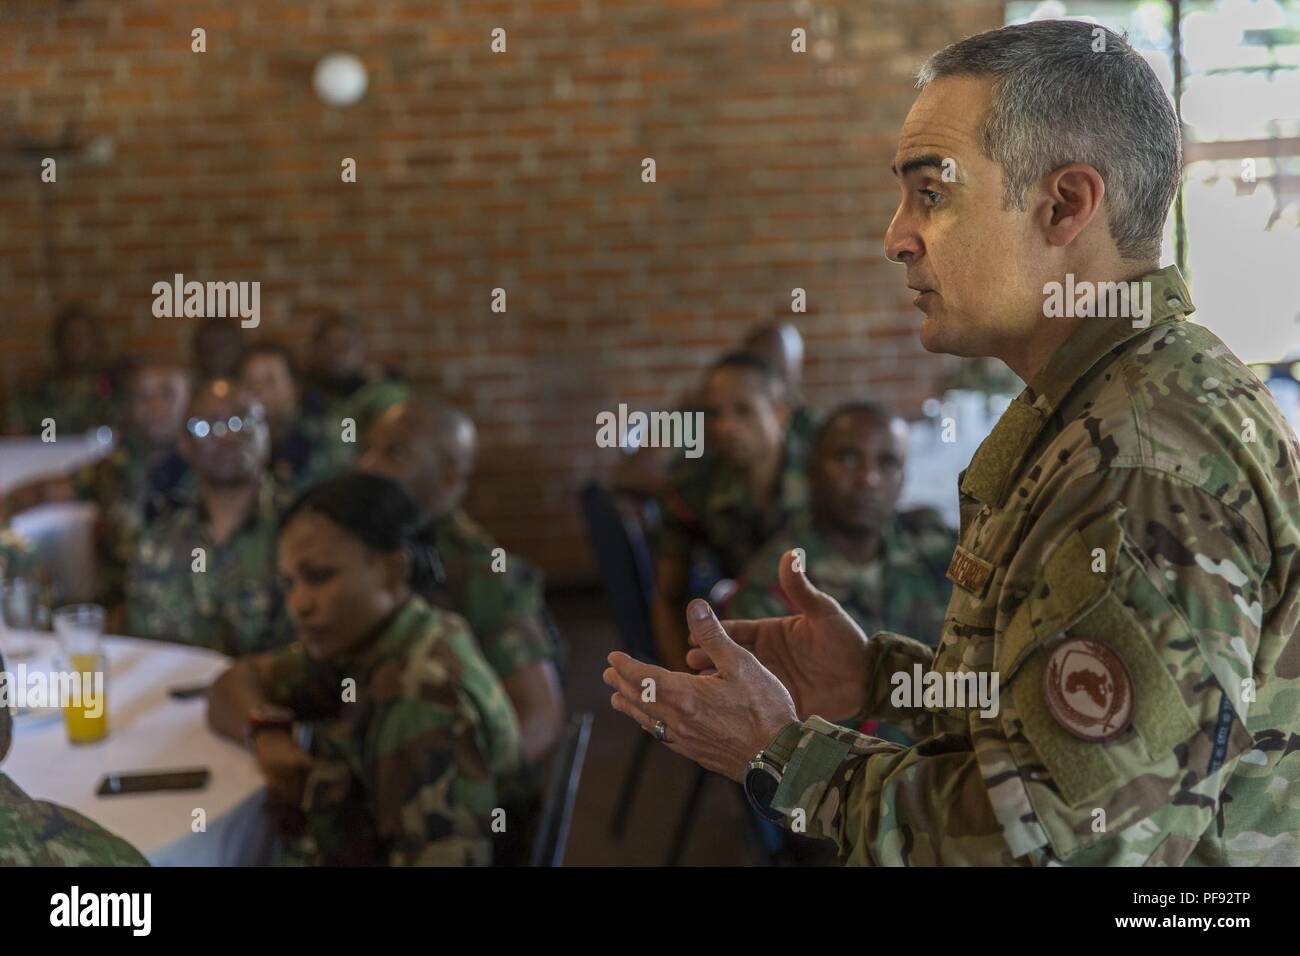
x=204 y=574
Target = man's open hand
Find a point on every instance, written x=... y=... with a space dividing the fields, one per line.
x=820 y=655
x=719 y=720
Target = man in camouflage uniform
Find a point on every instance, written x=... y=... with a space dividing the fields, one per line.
x=131 y=485
x=341 y=384
x=302 y=452
x=204 y=574
x=37 y=833
x=644 y=471
x=1129 y=559
x=884 y=567
x=79 y=393
x=749 y=483
x=430 y=448
x=778 y=342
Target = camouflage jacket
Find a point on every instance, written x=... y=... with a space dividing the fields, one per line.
x=234 y=605
x=129 y=490
x=902 y=589
x=306 y=455
x=707 y=504
x=1129 y=569
x=505 y=608
x=76 y=404
x=404 y=771
x=37 y=833
x=326 y=406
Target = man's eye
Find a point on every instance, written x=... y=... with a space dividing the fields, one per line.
x=317 y=575
x=930 y=197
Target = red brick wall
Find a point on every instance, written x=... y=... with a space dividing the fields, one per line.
x=477 y=170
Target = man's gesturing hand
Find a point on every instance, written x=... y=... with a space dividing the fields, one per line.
x=719 y=720
x=820 y=655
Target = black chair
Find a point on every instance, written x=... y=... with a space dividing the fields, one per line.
x=626 y=568
x=562 y=793
x=627 y=572
x=623 y=558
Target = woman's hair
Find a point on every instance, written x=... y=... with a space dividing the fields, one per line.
x=380 y=513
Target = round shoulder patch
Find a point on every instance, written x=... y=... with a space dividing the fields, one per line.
x=1088 y=690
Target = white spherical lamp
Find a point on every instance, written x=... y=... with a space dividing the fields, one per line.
x=340 y=79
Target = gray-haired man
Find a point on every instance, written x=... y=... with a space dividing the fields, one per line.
x=1129 y=563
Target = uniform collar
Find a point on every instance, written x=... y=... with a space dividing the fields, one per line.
x=999 y=457
x=263 y=509
x=390 y=632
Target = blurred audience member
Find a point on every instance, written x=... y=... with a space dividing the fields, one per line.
x=138 y=480
x=204 y=574
x=749 y=483
x=429 y=447
x=37 y=833
x=341 y=381
x=79 y=392
x=401 y=771
x=779 y=344
x=645 y=471
x=216 y=349
x=300 y=453
x=888 y=569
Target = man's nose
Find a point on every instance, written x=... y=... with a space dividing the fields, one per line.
x=867 y=478
x=902 y=242
x=300 y=603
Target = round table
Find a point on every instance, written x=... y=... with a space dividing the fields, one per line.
x=148 y=731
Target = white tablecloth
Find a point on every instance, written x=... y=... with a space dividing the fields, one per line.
x=22 y=459
x=148 y=730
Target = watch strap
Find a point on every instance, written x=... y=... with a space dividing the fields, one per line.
x=782 y=747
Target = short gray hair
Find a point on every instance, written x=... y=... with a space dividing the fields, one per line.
x=1056 y=101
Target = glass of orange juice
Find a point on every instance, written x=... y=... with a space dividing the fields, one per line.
x=80 y=628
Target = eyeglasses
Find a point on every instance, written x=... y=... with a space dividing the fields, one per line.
x=203 y=427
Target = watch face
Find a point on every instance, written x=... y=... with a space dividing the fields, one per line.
x=760 y=787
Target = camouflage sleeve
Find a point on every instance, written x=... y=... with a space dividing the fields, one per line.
x=508 y=614
x=1171 y=581
x=433 y=791
x=290 y=678
x=39 y=833
x=889 y=654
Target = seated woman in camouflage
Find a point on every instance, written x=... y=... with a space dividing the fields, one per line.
x=409 y=726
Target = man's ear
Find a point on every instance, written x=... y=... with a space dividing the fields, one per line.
x=782 y=409
x=1074 y=196
x=397 y=569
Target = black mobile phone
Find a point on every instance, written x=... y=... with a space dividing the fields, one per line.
x=188 y=691
x=115 y=784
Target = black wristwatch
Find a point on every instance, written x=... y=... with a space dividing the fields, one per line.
x=766 y=769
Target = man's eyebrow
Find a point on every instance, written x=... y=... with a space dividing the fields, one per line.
x=917 y=162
